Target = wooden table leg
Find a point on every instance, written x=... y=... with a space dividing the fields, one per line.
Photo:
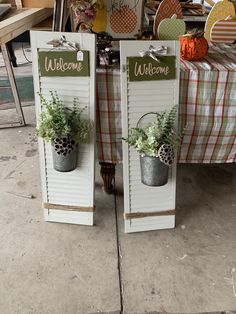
x=12 y=81
x=108 y=171
x=12 y=54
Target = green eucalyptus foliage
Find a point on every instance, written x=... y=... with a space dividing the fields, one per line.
x=57 y=121
x=160 y=131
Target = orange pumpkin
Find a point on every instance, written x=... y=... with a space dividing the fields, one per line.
x=193 y=46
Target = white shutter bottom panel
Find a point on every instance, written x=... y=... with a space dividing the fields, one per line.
x=81 y=218
x=68 y=197
x=146 y=208
x=147 y=224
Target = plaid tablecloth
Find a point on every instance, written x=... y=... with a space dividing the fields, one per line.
x=109 y=129
x=207 y=106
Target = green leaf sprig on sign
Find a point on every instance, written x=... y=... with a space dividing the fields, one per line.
x=63 y=63
x=148 y=69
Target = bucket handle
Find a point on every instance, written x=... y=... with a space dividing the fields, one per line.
x=144 y=115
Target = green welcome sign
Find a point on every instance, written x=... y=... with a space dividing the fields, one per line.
x=64 y=63
x=148 y=69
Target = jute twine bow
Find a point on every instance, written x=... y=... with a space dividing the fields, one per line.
x=154 y=53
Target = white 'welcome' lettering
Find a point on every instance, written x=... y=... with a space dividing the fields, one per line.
x=60 y=65
x=150 y=69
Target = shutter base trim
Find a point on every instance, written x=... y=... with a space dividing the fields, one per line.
x=148 y=214
x=68 y=207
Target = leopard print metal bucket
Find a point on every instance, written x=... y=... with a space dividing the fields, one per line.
x=64 y=153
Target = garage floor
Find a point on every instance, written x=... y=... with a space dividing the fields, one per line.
x=59 y=268
x=50 y=268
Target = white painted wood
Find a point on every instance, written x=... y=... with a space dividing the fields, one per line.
x=21 y=22
x=138 y=98
x=81 y=218
x=75 y=187
x=153 y=223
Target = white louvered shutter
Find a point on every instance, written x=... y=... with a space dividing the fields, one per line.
x=146 y=208
x=67 y=197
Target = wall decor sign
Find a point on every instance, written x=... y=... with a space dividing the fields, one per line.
x=147 y=207
x=67 y=197
x=119 y=18
x=148 y=69
x=64 y=63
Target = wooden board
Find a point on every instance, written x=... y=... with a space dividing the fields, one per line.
x=19 y=23
x=37 y=3
x=145 y=207
x=220 y=11
x=171 y=29
x=45 y=25
x=224 y=31
x=166 y=9
x=210 y=2
x=74 y=189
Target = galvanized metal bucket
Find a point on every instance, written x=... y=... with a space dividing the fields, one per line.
x=64 y=154
x=153 y=171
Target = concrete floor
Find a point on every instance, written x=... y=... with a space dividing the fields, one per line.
x=50 y=267
x=185 y=269
x=59 y=268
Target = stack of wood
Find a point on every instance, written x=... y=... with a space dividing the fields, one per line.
x=190 y=8
x=152 y=4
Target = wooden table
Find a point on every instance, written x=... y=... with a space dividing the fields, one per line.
x=16 y=23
